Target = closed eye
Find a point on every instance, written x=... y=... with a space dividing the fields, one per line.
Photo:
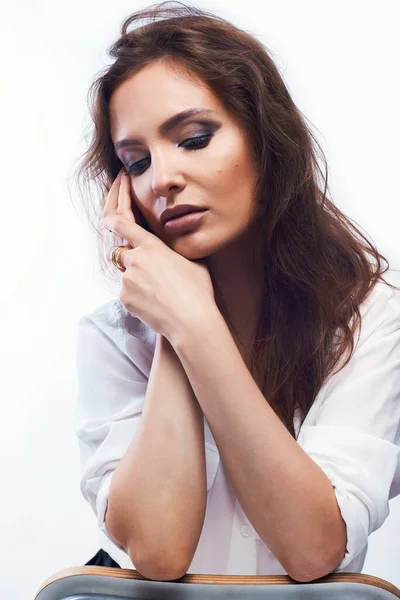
x=193 y=143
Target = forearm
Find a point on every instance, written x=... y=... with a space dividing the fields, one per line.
x=158 y=492
x=286 y=496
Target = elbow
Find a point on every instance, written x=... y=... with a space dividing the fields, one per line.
x=159 y=569
x=324 y=564
x=308 y=575
x=165 y=568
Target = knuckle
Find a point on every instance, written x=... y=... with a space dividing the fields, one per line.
x=117 y=219
x=128 y=260
x=106 y=211
x=126 y=279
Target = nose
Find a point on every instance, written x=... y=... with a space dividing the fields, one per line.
x=166 y=175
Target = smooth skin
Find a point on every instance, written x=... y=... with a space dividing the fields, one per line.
x=219 y=175
x=167 y=289
x=304 y=530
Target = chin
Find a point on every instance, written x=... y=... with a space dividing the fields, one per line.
x=189 y=250
x=192 y=253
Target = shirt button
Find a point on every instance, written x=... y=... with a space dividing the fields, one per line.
x=245 y=531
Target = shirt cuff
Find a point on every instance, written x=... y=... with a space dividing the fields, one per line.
x=361 y=469
x=101 y=507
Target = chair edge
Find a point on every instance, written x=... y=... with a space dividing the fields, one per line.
x=222 y=579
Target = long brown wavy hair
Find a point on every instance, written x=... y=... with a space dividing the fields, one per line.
x=319 y=267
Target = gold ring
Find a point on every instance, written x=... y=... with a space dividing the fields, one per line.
x=116 y=257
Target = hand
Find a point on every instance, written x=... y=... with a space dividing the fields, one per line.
x=162 y=288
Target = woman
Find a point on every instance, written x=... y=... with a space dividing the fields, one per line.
x=238 y=410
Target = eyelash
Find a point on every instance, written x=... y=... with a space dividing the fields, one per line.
x=206 y=138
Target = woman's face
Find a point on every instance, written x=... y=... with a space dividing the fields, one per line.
x=165 y=168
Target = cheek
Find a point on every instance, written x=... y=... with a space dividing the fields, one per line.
x=230 y=164
x=139 y=195
x=230 y=180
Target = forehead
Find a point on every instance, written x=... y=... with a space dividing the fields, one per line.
x=155 y=93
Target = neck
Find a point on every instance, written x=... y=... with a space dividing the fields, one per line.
x=238 y=279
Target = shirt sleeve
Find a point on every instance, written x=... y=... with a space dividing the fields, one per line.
x=355 y=433
x=111 y=393
x=113 y=366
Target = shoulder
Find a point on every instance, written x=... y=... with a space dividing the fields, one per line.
x=380 y=311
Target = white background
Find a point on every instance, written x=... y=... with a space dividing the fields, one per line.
x=340 y=61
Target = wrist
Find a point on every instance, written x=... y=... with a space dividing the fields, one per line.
x=195 y=328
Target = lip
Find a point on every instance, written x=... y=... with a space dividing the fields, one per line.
x=177 y=211
x=185 y=223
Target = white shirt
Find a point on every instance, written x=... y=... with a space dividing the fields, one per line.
x=352 y=432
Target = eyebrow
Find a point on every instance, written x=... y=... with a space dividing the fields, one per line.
x=166 y=126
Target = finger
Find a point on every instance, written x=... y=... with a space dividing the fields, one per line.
x=133 y=203
x=111 y=204
x=124 y=258
x=118 y=220
x=129 y=203
x=124 y=199
x=129 y=230
x=122 y=255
